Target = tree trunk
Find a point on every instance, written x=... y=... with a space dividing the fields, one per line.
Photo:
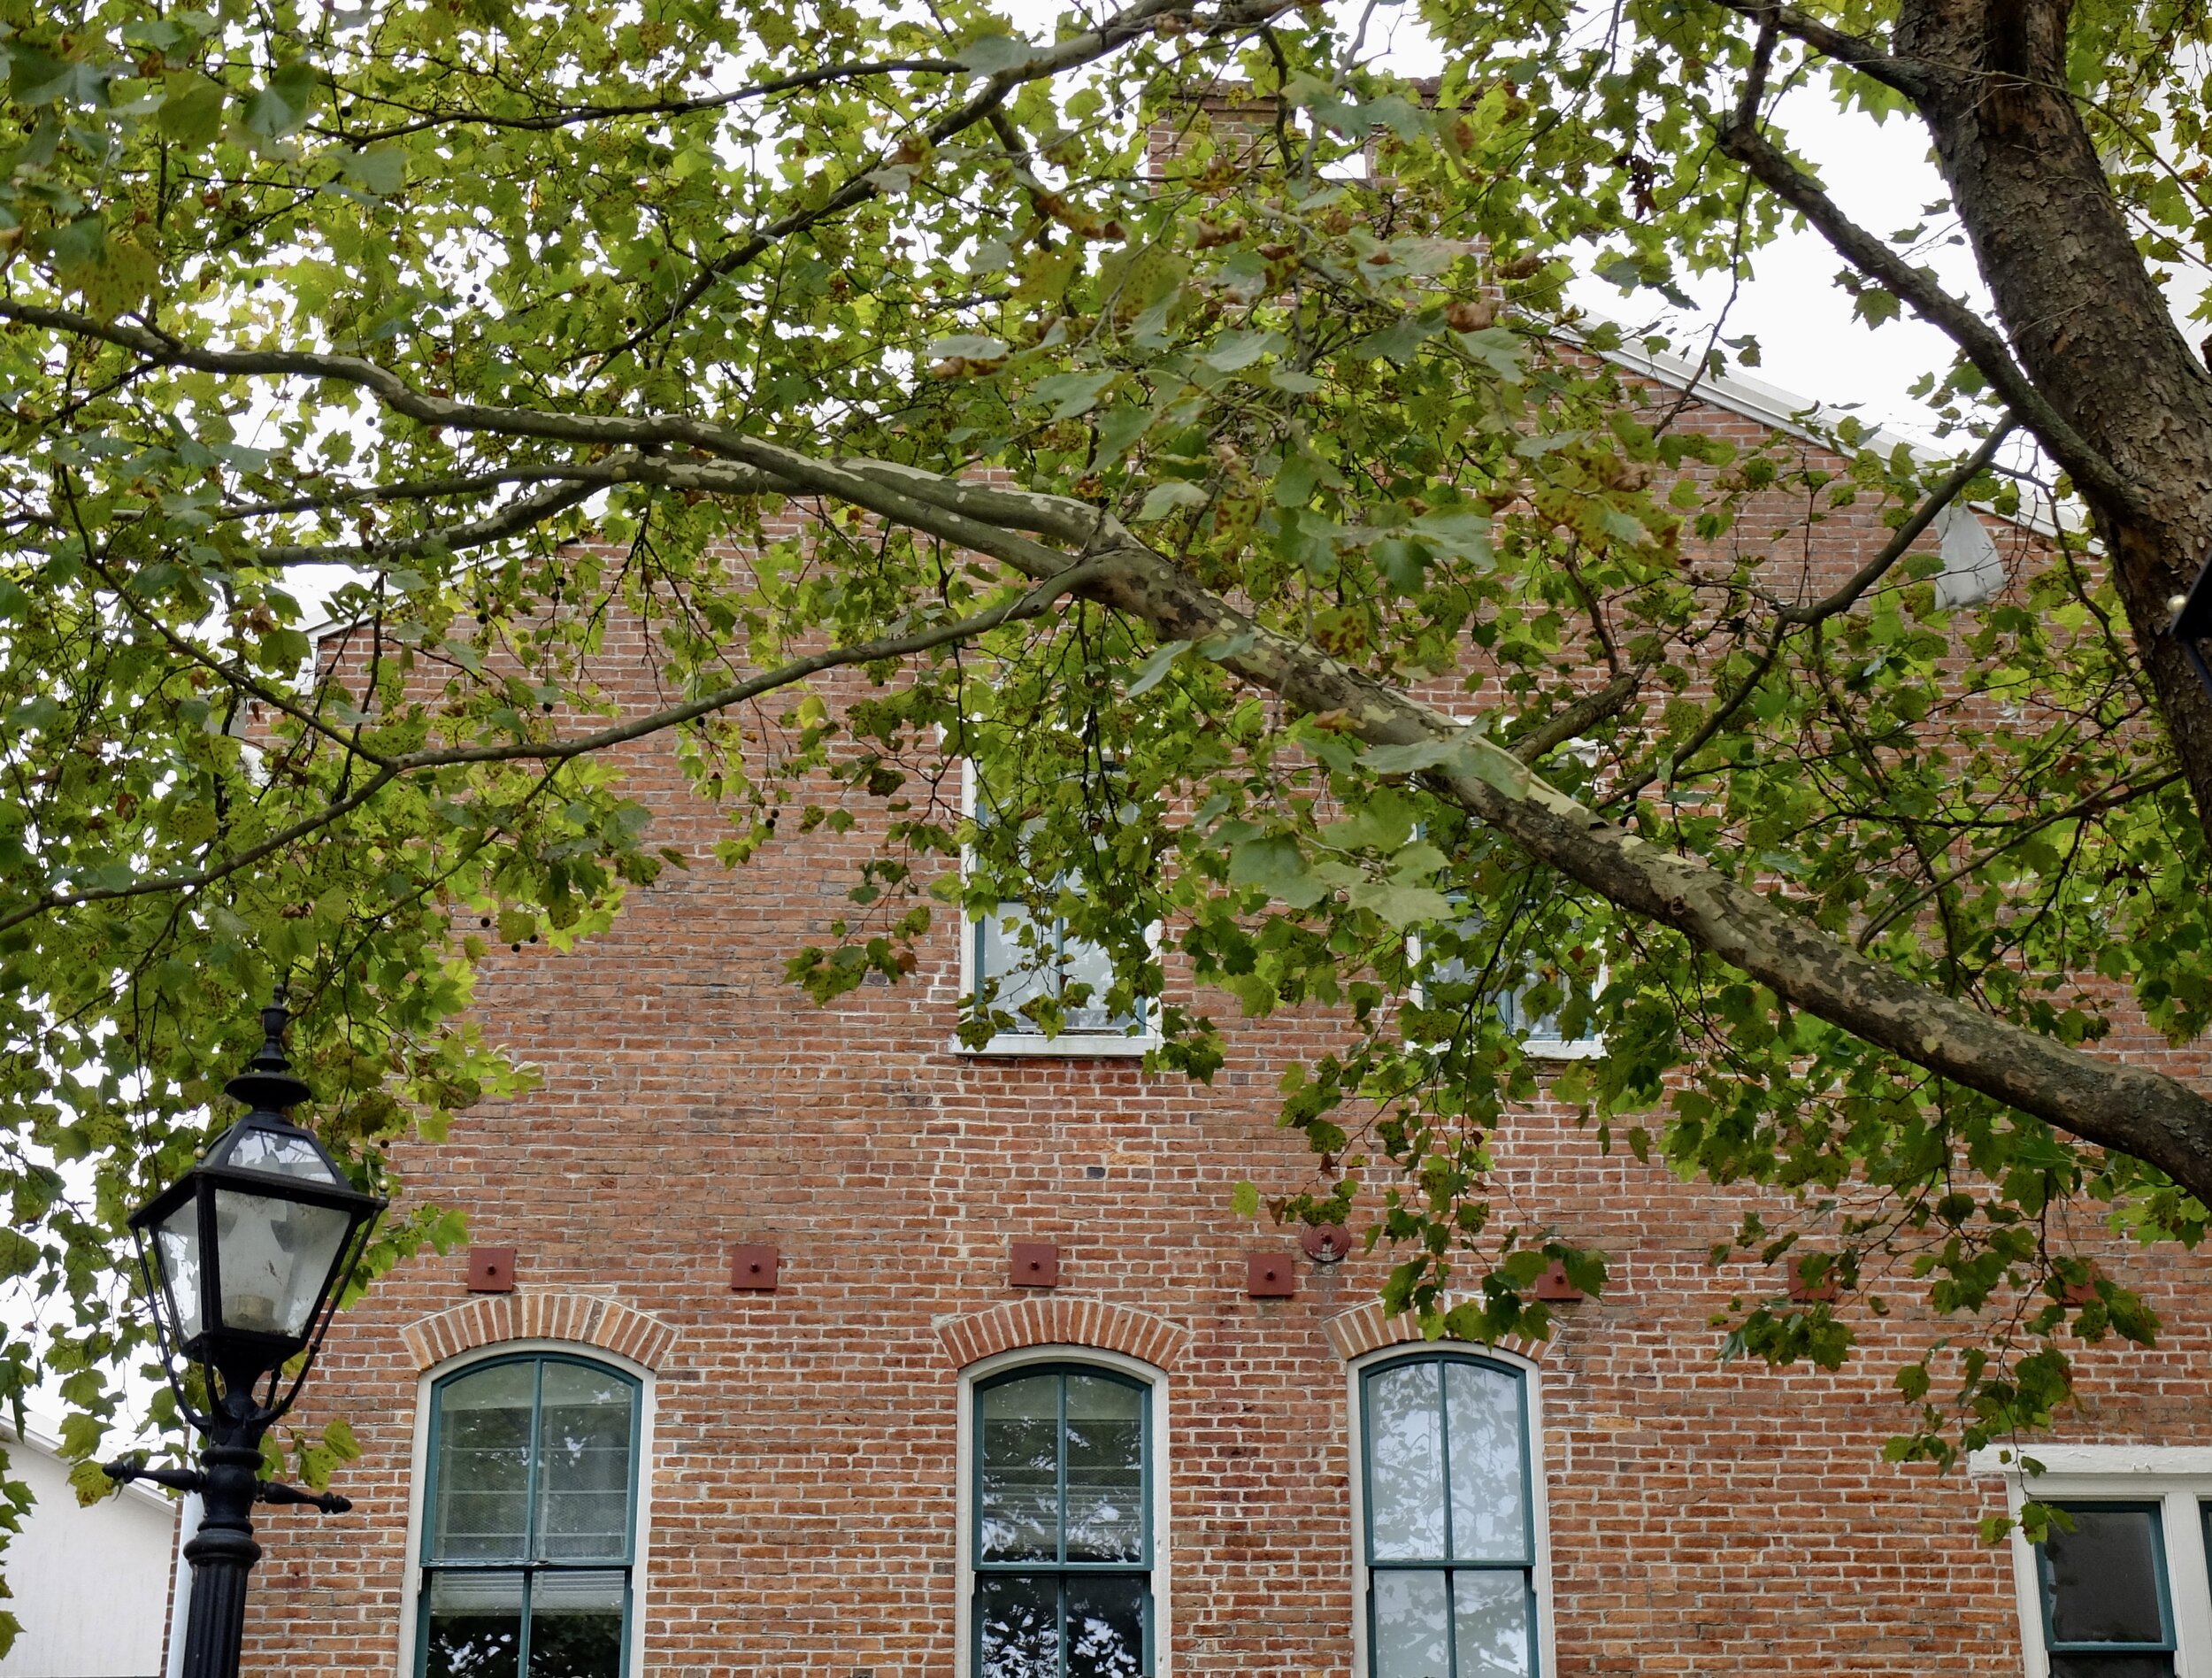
x=2089 y=327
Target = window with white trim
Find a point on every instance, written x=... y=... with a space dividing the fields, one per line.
x=1542 y=1035
x=1449 y=1522
x=2120 y=1588
x=529 y=1520
x=1061 y=1545
x=1025 y=965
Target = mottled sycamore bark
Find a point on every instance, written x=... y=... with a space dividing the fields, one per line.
x=2086 y=322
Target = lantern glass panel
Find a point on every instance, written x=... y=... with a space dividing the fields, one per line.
x=276 y=1154
x=273 y=1256
x=177 y=1254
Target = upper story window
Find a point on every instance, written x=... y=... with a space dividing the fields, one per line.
x=1024 y=964
x=1061 y=1546
x=529 y=1520
x=1448 y=1527
x=1543 y=1036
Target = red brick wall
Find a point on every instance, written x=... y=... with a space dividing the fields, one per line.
x=1703 y=1518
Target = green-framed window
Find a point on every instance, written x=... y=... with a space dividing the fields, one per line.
x=2107 y=1608
x=1449 y=1522
x=1062 y=1538
x=529 y=1520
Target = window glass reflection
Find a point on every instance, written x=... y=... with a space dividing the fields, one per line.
x=1062 y=1545
x=532 y=1480
x=1450 y=1535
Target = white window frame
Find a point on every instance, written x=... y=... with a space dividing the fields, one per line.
x=1161 y=1418
x=1091 y=1045
x=1538 y=1487
x=419 y=1469
x=2178 y=1478
x=1535 y=1048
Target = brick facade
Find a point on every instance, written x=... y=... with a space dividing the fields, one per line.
x=1703 y=1518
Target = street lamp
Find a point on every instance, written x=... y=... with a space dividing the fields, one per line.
x=244 y=1258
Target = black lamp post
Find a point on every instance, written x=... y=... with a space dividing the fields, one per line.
x=244 y=1258
x=2192 y=622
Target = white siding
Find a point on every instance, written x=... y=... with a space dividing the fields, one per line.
x=91 y=1585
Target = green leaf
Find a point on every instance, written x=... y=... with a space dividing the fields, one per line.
x=1400 y=904
x=191 y=110
x=1274 y=863
x=19 y=1254
x=968 y=346
x=1233 y=351
x=1070 y=394
x=380 y=169
x=1156 y=668
x=1164 y=498
x=990 y=54
x=282 y=106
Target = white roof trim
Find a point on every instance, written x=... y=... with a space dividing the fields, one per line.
x=48 y=1445
x=1786 y=411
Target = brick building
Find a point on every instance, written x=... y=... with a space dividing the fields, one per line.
x=800 y=1341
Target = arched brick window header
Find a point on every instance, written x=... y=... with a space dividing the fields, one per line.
x=1060 y=1321
x=1364 y=1328
x=585 y=1318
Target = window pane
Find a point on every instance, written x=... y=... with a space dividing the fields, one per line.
x=1018 y=1513
x=1088 y=964
x=1105 y=1449
x=576 y=1624
x=1017 y=1619
x=1489 y=1513
x=2103 y=1576
x=475 y=1624
x=1405 y=1463
x=1105 y=1628
x=1024 y=973
x=483 y=1466
x=583 y=1465
x=1456 y=969
x=2112 y=1667
x=1490 y=1617
x=1410 y=1639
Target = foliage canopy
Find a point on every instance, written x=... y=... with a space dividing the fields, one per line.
x=1190 y=422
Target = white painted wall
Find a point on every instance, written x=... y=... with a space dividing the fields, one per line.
x=91 y=1585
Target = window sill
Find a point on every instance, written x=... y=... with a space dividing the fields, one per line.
x=1580 y=1049
x=1068 y=1045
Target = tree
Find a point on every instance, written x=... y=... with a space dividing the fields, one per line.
x=1159 y=457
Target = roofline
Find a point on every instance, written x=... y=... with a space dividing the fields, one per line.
x=1786 y=411
x=48 y=1445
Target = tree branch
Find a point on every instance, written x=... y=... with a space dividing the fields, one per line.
x=571 y=116
x=1125 y=25
x=1797 y=616
x=1974 y=336
x=1578 y=718
x=2095 y=804
x=1869 y=58
x=1907 y=533
x=1065 y=580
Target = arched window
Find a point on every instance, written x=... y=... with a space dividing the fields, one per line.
x=1063 y=1544
x=529 y=1520
x=1448 y=1527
